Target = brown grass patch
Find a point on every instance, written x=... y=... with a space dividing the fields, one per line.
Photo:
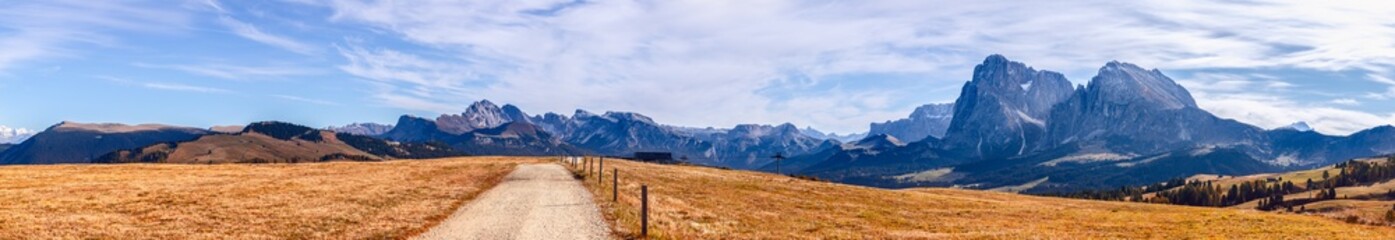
x=705 y=203
x=340 y=200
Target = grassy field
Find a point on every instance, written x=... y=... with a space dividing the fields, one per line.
x=340 y=200
x=1360 y=211
x=705 y=203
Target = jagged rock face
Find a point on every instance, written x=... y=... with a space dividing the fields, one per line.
x=362 y=129
x=622 y=134
x=1132 y=111
x=1002 y=111
x=512 y=138
x=480 y=115
x=930 y=120
x=553 y=123
x=751 y=146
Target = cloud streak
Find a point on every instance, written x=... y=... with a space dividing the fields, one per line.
x=253 y=33
x=51 y=29
x=234 y=72
x=307 y=100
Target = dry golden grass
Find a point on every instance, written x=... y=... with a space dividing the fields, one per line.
x=341 y=200
x=705 y=203
x=1366 y=212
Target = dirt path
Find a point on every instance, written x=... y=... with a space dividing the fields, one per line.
x=538 y=201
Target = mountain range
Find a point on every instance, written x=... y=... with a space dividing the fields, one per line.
x=1016 y=127
x=485 y=125
x=1012 y=127
x=72 y=142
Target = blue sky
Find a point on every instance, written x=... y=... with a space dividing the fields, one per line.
x=833 y=65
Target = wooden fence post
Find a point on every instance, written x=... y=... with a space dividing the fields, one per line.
x=644 y=211
x=600 y=172
x=615 y=185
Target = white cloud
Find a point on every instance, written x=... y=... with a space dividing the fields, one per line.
x=707 y=62
x=1271 y=112
x=15 y=135
x=1345 y=101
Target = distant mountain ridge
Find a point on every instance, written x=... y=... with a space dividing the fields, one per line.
x=612 y=133
x=362 y=129
x=816 y=134
x=930 y=120
x=275 y=142
x=72 y=142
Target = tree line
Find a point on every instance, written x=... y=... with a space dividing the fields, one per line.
x=1269 y=192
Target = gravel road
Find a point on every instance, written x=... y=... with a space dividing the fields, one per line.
x=537 y=201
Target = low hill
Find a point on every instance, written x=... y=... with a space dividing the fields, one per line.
x=706 y=203
x=71 y=142
x=273 y=142
x=339 y=200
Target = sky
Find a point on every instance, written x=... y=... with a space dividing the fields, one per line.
x=832 y=65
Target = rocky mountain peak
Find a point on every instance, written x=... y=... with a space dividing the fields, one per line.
x=515 y=114
x=1127 y=109
x=1003 y=108
x=630 y=117
x=480 y=115
x=582 y=114
x=1120 y=83
x=1298 y=126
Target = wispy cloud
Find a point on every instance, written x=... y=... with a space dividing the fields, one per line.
x=165 y=86
x=253 y=33
x=1389 y=92
x=1345 y=101
x=235 y=72
x=306 y=100
x=1250 y=99
x=709 y=57
x=47 y=29
x=182 y=87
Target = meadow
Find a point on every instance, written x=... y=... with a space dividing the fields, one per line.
x=335 y=200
